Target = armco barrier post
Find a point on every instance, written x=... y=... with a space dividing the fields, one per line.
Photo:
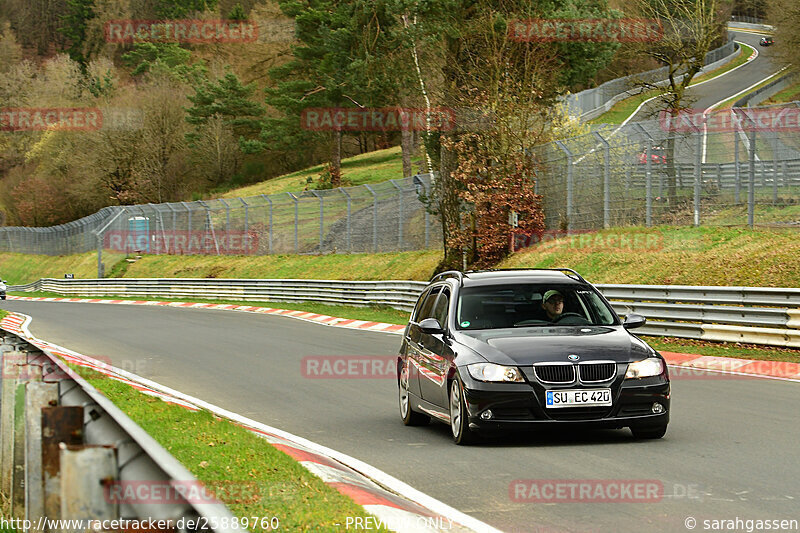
x=59 y=424
x=84 y=471
x=37 y=395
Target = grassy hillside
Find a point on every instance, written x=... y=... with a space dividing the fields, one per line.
x=662 y=255
x=688 y=256
x=372 y=167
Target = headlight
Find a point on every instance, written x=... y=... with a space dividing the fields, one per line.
x=493 y=372
x=645 y=368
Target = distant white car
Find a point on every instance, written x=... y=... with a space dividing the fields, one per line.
x=2 y=290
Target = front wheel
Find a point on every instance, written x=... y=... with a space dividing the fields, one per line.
x=459 y=424
x=409 y=416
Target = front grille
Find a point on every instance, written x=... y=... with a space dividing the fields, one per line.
x=579 y=413
x=555 y=373
x=597 y=372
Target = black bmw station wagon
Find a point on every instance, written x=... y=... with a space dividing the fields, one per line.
x=516 y=349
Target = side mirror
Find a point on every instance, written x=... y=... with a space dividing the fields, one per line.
x=634 y=321
x=431 y=326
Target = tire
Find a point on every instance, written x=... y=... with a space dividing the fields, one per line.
x=409 y=416
x=649 y=433
x=3 y=297
x=459 y=425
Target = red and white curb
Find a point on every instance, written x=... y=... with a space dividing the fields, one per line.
x=303 y=315
x=782 y=370
x=744 y=367
x=394 y=504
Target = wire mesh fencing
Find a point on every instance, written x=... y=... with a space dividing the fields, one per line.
x=738 y=166
x=381 y=217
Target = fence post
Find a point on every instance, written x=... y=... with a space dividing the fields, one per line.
x=698 y=175
x=606 y=180
x=568 y=153
x=374 y=218
x=737 y=172
x=246 y=215
x=321 y=218
x=296 y=244
x=648 y=176
x=751 y=193
x=400 y=216
x=774 y=168
x=347 y=233
x=269 y=216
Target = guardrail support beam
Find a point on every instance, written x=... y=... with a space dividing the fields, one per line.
x=85 y=469
x=37 y=395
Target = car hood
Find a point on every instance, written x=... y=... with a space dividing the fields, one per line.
x=526 y=346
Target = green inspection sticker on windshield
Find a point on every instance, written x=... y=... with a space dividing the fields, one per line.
x=465 y=324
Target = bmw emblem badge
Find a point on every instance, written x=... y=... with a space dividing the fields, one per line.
x=573 y=357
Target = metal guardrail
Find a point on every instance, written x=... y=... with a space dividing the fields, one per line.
x=63 y=444
x=761 y=315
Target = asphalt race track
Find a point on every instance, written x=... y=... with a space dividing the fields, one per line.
x=708 y=94
x=731 y=449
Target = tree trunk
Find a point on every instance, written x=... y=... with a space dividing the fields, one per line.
x=336 y=160
x=406 y=145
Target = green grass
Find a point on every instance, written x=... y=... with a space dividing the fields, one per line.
x=372 y=313
x=372 y=167
x=789 y=94
x=19 y=269
x=670 y=255
x=219 y=453
x=624 y=108
x=723 y=349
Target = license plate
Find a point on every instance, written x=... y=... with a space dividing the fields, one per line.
x=582 y=397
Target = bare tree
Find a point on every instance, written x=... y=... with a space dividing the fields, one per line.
x=690 y=29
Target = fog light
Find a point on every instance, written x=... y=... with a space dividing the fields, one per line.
x=487 y=415
x=658 y=408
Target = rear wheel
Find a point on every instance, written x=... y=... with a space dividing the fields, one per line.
x=459 y=424
x=409 y=416
x=649 y=433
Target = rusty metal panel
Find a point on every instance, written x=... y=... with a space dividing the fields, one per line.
x=59 y=424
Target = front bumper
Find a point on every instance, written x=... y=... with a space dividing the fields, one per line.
x=520 y=406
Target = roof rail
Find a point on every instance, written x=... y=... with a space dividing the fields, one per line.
x=449 y=274
x=568 y=271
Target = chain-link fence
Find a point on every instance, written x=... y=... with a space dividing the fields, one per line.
x=381 y=217
x=732 y=167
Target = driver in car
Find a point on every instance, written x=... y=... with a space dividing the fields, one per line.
x=553 y=304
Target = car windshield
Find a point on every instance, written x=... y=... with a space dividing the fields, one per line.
x=524 y=305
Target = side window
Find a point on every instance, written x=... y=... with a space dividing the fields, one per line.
x=417 y=308
x=427 y=306
x=441 y=308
